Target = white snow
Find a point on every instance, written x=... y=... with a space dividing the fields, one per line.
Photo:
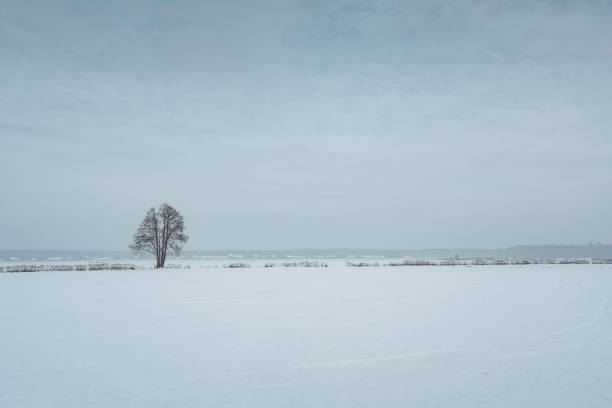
x=489 y=336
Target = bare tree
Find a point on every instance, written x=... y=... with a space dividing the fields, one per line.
x=160 y=230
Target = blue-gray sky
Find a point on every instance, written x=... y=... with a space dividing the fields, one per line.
x=282 y=124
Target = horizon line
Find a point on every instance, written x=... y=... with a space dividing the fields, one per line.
x=321 y=249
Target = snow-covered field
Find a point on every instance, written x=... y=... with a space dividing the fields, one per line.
x=490 y=336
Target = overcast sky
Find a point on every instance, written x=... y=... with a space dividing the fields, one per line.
x=285 y=124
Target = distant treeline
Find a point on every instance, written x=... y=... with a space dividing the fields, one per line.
x=558 y=251
x=594 y=251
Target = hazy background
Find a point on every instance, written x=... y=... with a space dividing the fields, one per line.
x=283 y=124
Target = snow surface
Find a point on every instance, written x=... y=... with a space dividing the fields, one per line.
x=490 y=336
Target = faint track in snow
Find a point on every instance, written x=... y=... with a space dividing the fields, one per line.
x=599 y=317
